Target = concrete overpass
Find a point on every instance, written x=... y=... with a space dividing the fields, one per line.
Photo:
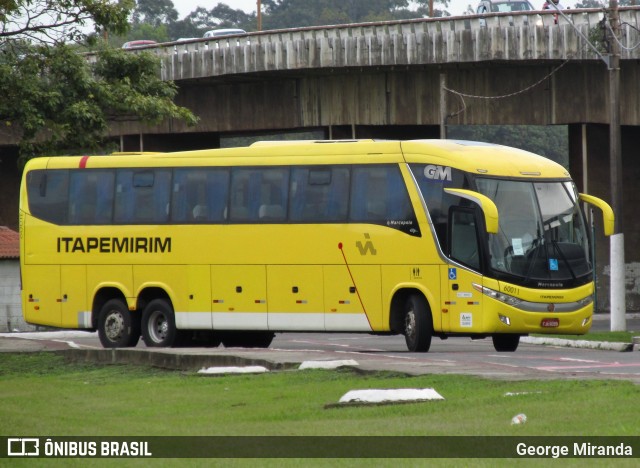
x=389 y=73
x=396 y=79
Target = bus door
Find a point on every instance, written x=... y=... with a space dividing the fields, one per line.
x=463 y=303
x=42 y=301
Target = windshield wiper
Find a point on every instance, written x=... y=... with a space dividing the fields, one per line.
x=557 y=249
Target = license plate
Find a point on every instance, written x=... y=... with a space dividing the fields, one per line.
x=550 y=323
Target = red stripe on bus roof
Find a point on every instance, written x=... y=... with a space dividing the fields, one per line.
x=83 y=162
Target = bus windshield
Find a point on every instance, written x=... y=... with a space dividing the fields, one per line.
x=541 y=235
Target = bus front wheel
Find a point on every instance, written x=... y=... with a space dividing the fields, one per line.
x=418 y=324
x=116 y=326
x=506 y=342
x=158 y=324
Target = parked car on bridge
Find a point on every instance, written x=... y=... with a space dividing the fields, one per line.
x=138 y=43
x=503 y=6
x=224 y=32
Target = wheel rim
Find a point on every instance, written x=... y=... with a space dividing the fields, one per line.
x=158 y=326
x=114 y=326
x=410 y=325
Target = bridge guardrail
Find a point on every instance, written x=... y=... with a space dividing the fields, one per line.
x=538 y=35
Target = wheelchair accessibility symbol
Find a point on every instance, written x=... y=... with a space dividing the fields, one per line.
x=453 y=274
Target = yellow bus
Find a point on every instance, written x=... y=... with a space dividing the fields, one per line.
x=422 y=238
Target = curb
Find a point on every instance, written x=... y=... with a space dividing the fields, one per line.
x=604 y=345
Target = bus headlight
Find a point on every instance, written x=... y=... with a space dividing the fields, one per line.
x=585 y=301
x=502 y=297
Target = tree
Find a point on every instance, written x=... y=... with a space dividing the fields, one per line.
x=57 y=100
x=220 y=16
x=155 y=12
x=55 y=21
x=296 y=13
x=63 y=104
x=423 y=8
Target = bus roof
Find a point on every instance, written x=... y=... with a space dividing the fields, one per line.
x=470 y=156
x=483 y=158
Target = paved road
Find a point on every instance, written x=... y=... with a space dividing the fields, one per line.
x=288 y=350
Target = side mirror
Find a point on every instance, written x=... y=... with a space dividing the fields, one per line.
x=489 y=209
x=608 y=217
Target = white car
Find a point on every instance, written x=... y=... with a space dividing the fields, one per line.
x=503 y=6
x=224 y=32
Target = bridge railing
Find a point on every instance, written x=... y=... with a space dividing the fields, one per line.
x=582 y=17
x=495 y=36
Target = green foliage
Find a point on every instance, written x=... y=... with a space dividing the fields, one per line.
x=221 y=16
x=64 y=105
x=142 y=31
x=276 y=14
x=296 y=13
x=154 y=12
x=56 y=21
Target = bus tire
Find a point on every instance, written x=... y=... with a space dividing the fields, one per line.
x=506 y=342
x=159 y=324
x=116 y=327
x=418 y=324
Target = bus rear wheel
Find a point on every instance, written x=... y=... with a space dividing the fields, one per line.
x=506 y=342
x=418 y=324
x=158 y=324
x=116 y=326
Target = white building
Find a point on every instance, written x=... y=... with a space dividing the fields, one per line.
x=10 y=302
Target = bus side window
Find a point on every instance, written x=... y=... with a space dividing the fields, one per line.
x=437 y=200
x=464 y=237
x=367 y=198
x=91 y=197
x=379 y=195
x=319 y=194
x=199 y=195
x=259 y=194
x=142 y=196
x=48 y=194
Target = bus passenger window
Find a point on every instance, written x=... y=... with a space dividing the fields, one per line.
x=142 y=196
x=319 y=194
x=259 y=194
x=48 y=191
x=199 y=195
x=379 y=196
x=91 y=197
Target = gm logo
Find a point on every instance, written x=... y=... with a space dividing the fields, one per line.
x=23 y=447
x=437 y=172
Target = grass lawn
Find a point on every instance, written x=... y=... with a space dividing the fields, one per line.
x=41 y=395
